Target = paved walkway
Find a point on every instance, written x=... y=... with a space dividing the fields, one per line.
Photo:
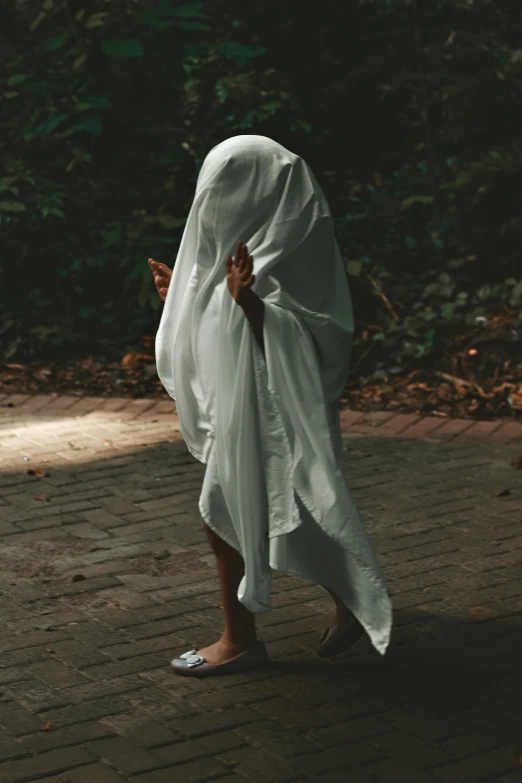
x=106 y=574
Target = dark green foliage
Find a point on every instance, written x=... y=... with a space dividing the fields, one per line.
x=408 y=113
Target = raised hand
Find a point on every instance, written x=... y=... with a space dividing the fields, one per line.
x=162 y=275
x=239 y=272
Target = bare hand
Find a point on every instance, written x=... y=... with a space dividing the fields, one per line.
x=239 y=271
x=162 y=275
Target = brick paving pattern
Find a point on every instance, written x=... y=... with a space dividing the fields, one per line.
x=106 y=574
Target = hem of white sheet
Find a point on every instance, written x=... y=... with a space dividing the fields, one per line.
x=379 y=642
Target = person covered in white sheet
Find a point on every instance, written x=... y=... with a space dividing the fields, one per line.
x=257 y=363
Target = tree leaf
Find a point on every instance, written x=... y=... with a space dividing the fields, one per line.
x=416 y=200
x=123 y=47
x=12 y=206
x=239 y=53
x=354 y=268
x=51 y=124
x=169 y=222
x=92 y=125
x=54 y=43
x=222 y=92
x=192 y=26
x=35 y=23
x=94 y=102
x=79 y=61
x=190 y=11
x=96 y=20
x=16 y=79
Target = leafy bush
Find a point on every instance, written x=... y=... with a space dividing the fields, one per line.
x=409 y=114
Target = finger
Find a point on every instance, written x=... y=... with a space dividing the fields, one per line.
x=157 y=265
x=251 y=280
x=164 y=291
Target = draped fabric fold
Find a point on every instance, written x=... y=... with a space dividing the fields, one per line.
x=268 y=426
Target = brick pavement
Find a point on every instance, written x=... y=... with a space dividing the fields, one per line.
x=106 y=574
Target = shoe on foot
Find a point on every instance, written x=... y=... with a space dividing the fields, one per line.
x=340 y=637
x=194 y=665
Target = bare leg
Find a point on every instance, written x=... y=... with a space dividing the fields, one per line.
x=240 y=624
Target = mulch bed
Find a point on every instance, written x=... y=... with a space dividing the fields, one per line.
x=422 y=392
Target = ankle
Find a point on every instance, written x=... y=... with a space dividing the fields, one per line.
x=239 y=641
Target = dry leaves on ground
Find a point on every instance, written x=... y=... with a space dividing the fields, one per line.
x=38 y=472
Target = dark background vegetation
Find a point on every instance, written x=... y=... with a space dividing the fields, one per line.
x=408 y=112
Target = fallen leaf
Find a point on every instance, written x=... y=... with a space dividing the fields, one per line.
x=107 y=442
x=516 y=463
x=78 y=578
x=503 y=493
x=38 y=472
x=481 y=611
x=74 y=446
x=113 y=602
x=162 y=555
x=44 y=627
x=49 y=650
x=43 y=373
x=45 y=498
x=48 y=726
x=232 y=763
x=132 y=359
x=15 y=366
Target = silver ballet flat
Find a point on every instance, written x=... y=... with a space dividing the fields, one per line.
x=194 y=665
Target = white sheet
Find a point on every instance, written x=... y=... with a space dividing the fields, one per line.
x=269 y=430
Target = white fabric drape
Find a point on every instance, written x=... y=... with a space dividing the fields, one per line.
x=268 y=427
